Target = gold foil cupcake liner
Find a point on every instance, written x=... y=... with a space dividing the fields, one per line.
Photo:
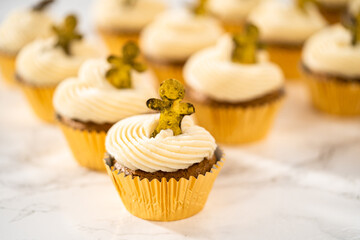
x=115 y=42
x=88 y=147
x=233 y=28
x=231 y=124
x=40 y=100
x=165 y=71
x=287 y=58
x=164 y=200
x=7 y=68
x=334 y=96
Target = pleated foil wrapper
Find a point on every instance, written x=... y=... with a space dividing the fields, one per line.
x=40 y=100
x=231 y=124
x=115 y=41
x=164 y=71
x=7 y=68
x=334 y=96
x=164 y=200
x=87 y=147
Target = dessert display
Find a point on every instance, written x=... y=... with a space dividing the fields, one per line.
x=104 y=92
x=330 y=64
x=163 y=165
x=284 y=26
x=19 y=28
x=235 y=89
x=232 y=13
x=174 y=36
x=119 y=21
x=332 y=9
x=44 y=63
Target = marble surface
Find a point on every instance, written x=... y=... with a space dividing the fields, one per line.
x=302 y=182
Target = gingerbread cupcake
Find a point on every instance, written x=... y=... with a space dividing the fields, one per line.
x=174 y=36
x=19 y=28
x=119 y=21
x=105 y=91
x=330 y=64
x=284 y=26
x=44 y=63
x=235 y=89
x=163 y=165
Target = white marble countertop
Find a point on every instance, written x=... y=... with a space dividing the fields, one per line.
x=302 y=182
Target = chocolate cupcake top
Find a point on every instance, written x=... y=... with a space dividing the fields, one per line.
x=23 y=26
x=232 y=11
x=332 y=51
x=178 y=33
x=286 y=22
x=213 y=73
x=333 y=4
x=48 y=61
x=130 y=143
x=126 y=16
x=105 y=91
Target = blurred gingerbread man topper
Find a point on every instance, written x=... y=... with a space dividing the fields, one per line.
x=42 y=5
x=301 y=4
x=199 y=7
x=246 y=45
x=129 y=3
x=66 y=33
x=353 y=25
x=172 y=110
x=119 y=75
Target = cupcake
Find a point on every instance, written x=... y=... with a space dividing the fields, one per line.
x=235 y=89
x=105 y=91
x=18 y=29
x=44 y=63
x=173 y=37
x=119 y=21
x=330 y=64
x=163 y=165
x=284 y=27
x=332 y=9
x=232 y=13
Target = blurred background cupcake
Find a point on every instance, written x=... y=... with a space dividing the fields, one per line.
x=235 y=89
x=284 y=27
x=19 y=28
x=331 y=67
x=119 y=21
x=332 y=9
x=44 y=63
x=174 y=36
x=232 y=13
x=104 y=92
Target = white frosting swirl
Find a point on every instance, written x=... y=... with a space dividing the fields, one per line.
x=129 y=143
x=177 y=34
x=232 y=11
x=113 y=15
x=212 y=73
x=90 y=97
x=21 y=27
x=42 y=64
x=330 y=51
x=282 y=22
x=354 y=7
